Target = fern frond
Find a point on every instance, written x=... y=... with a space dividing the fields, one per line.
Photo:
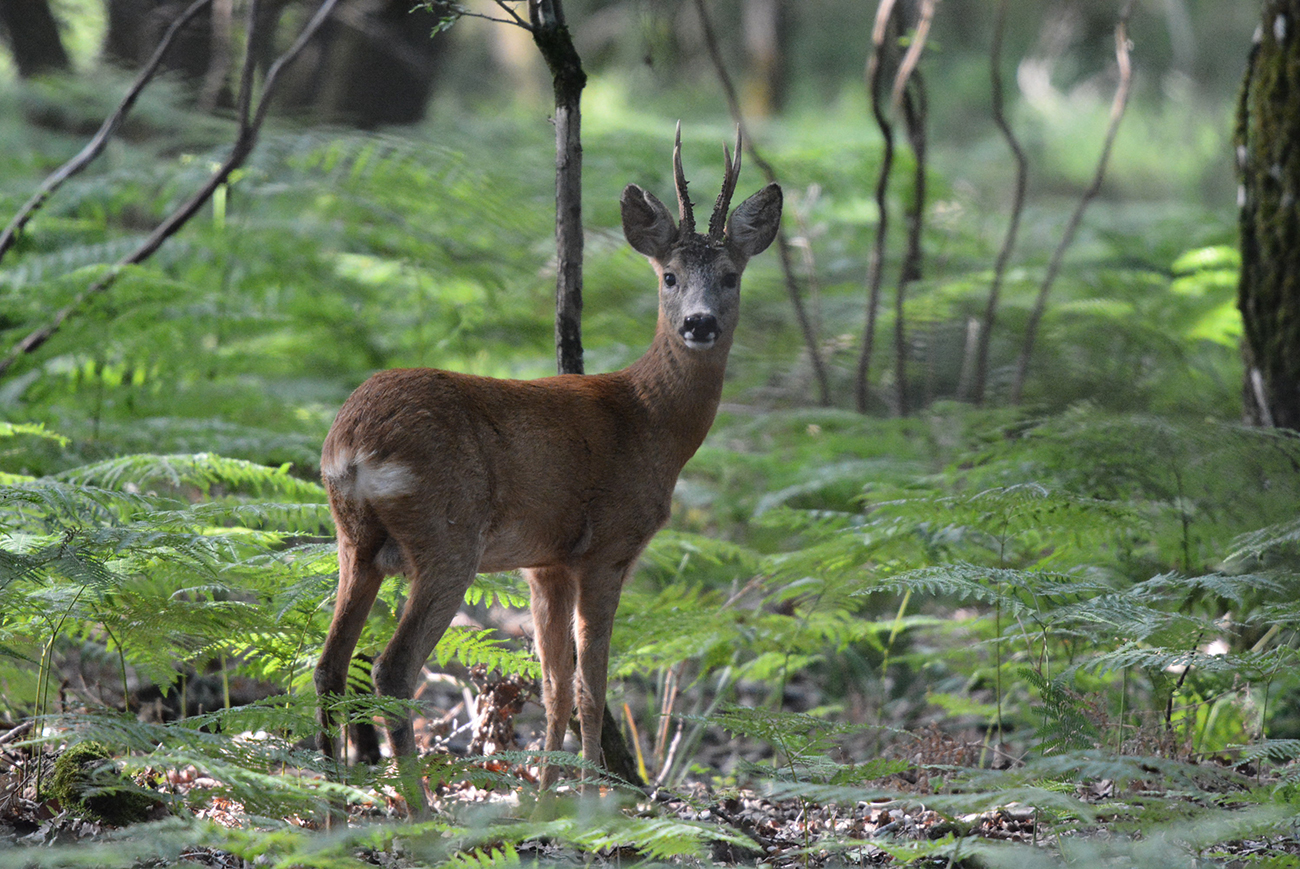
x=501 y=589
x=201 y=471
x=36 y=429
x=276 y=520
x=480 y=646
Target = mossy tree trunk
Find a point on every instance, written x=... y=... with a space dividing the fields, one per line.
x=1268 y=162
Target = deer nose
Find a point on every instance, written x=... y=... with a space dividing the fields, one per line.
x=700 y=329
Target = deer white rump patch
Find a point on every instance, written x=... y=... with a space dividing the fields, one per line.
x=360 y=477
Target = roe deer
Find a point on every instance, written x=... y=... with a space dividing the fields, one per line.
x=438 y=475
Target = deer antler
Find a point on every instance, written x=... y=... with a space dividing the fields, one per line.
x=679 y=178
x=718 y=222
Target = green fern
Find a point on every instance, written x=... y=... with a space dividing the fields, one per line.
x=479 y=646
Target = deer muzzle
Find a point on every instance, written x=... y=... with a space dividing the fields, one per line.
x=700 y=331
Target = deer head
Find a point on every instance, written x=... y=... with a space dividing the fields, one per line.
x=699 y=275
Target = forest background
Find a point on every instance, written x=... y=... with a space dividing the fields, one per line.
x=979 y=565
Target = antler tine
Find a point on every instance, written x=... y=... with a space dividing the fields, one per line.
x=731 y=174
x=679 y=179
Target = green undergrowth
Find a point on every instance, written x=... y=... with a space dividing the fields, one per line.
x=1083 y=608
x=1034 y=606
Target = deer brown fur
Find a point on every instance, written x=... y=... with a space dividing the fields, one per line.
x=439 y=475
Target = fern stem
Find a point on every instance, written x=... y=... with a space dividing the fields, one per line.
x=121 y=664
x=225 y=681
x=43 y=677
x=1123 y=705
x=725 y=682
x=997 y=660
x=894 y=631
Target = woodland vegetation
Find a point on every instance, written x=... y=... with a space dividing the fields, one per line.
x=979 y=566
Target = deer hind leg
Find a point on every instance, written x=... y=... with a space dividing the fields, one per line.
x=439 y=575
x=359 y=582
x=598 y=595
x=553 y=592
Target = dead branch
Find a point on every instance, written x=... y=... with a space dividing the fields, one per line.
x=250 y=124
x=1117 y=107
x=106 y=130
x=810 y=337
x=980 y=380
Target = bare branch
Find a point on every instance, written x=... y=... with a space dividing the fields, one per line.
x=1117 y=107
x=515 y=17
x=980 y=379
x=106 y=130
x=250 y=122
x=913 y=56
x=782 y=243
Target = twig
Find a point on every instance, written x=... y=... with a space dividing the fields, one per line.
x=980 y=382
x=782 y=243
x=515 y=17
x=1054 y=267
x=13 y=733
x=250 y=124
x=670 y=757
x=106 y=130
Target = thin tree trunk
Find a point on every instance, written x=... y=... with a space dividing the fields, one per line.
x=875 y=267
x=33 y=37
x=914 y=116
x=984 y=336
x=792 y=289
x=553 y=40
x=1058 y=256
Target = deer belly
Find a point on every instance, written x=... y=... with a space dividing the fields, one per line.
x=539 y=541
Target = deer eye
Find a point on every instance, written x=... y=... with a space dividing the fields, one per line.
x=730 y=281
x=670 y=279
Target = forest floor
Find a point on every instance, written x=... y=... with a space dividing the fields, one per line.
x=895 y=822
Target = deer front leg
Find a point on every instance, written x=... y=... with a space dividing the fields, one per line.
x=598 y=596
x=553 y=592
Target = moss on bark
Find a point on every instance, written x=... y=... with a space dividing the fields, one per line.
x=1268 y=165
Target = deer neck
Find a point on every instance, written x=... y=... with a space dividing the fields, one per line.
x=679 y=390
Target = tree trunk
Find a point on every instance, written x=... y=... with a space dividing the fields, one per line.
x=135 y=27
x=1268 y=164
x=33 y=36
x=553 y=40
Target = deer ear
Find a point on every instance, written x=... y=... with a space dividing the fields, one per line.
x=754 y=223
x=648 y=226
